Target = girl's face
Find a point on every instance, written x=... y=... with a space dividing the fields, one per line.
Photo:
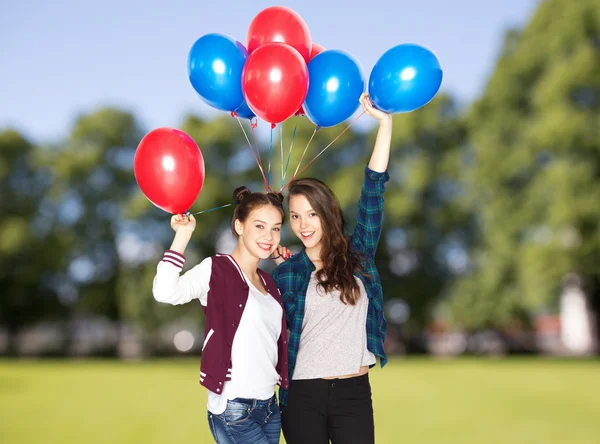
x=305 y=222
x=261 y=232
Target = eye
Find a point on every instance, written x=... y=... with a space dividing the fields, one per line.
x=294 y=216
x=313 y=214
x=260 y=226
x=277 y=229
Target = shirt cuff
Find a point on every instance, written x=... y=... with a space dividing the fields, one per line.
x=376 y=180
x=174 y=258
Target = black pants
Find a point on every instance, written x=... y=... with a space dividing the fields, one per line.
x=320 y=410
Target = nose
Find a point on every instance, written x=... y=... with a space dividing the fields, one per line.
x=303 y=223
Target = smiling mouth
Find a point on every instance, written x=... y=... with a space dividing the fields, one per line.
x=266 y=247
x=307 y=234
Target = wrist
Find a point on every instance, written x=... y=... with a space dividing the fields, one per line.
x=183 y=235
x=180 y=241
x=387 y=121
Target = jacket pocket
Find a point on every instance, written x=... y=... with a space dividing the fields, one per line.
x=210 y=333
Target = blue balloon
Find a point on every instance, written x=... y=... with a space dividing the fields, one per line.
x=405 y=78
x=335 y=85
x=245 y=112
x=215 y=65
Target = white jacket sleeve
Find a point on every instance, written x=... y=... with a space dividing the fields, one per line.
x=171 y=288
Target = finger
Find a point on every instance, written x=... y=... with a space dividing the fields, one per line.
x=365 y=104
x=192 y=218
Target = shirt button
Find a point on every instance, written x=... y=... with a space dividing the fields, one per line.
x=218 y=390
x=240 y=305
x=220 y=383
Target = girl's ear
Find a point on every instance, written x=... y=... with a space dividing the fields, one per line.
x=239 y=229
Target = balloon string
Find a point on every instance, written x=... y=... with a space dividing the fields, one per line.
x=254 y=154
x=289 y=155
x=254 y=125
x=270 y=157
x=306 y=148
x=281 y=143
x=323 y=150
x=211 y=209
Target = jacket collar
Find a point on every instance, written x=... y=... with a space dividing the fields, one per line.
x=305 y=261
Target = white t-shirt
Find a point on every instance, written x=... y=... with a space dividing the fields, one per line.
x=334 y=334
x=254 y=352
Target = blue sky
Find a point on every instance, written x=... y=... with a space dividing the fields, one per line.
x=65 y=57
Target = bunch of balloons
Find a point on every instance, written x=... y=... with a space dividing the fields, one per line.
x=279 y=73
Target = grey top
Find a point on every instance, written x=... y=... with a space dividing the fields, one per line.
x=334 y=335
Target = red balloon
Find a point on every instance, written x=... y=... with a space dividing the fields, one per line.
x=316 y=49
x=275 y=81
x=169 y=169
x=282 y=25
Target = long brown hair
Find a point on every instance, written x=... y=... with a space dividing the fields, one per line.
x=339 y=261
x=248 y=201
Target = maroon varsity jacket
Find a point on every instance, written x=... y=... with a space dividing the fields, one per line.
x=227 y=299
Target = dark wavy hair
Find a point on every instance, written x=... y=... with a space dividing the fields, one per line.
x=248 y=201
x=339 y=260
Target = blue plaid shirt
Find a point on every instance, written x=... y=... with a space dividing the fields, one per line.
x=292 y=276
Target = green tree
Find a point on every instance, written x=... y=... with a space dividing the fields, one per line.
x=427 y=226
x=92 y=181
x=29 y=248
x=535 y=176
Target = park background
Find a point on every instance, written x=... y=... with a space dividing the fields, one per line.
x=490 y=256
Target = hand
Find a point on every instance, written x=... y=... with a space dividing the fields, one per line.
x=365 y=101
x=183 y=224
x=281 y=254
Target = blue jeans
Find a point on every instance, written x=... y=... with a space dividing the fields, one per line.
x=250 y=421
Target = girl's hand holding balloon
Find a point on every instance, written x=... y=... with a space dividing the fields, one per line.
x=183 y=224
x=365 y=101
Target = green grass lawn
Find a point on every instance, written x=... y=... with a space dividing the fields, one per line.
x=416 y=401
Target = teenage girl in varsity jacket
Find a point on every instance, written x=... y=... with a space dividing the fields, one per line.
x=334 y=306
x=245 y=348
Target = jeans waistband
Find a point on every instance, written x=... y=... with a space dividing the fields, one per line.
x=254 y=402
x=336 y=382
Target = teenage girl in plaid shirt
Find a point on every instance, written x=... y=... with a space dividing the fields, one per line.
x=334 y=306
